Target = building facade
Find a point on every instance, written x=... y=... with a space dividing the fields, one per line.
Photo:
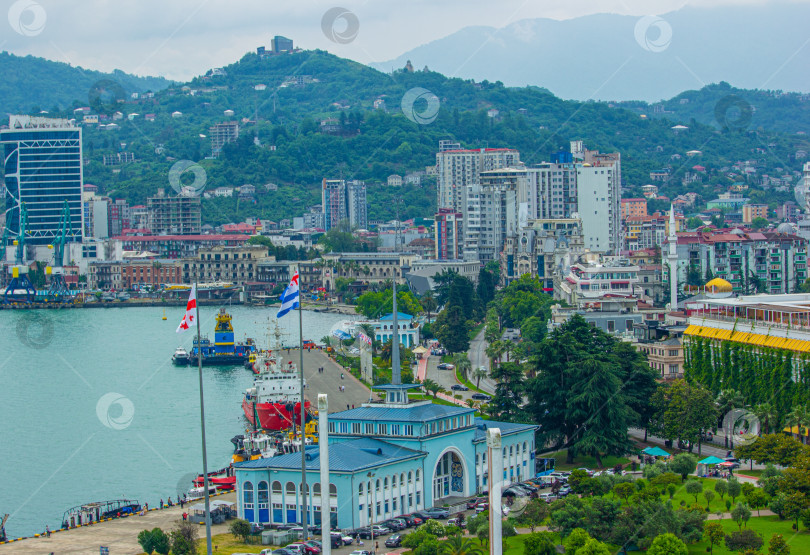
x=764 y=262
x=492 y=212
x=385 y=460
x=408 y=329
x=43 y=170
x=138 y=273
x=180 y=215
x=222 y=134
x=449 y=233
x=237 y=265
x=459 y=168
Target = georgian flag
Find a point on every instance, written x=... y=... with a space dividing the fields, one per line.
x=364 y=338
x=289 y=299
x=191 y=311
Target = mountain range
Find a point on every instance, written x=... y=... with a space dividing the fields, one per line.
x=311 y=115
x=618 y=57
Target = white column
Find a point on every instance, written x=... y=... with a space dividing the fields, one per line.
x=495 y=484
x=323 y=452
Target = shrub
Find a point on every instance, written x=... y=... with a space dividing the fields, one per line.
x=240 y=528
x=667 y=544
x=744 y=539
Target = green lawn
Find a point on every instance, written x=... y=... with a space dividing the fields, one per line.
x=766 y=526
x=476 y=330
x=468 y=383
x=683 y=499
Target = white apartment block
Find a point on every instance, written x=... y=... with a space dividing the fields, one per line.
x=493 y=212
x=460 y=168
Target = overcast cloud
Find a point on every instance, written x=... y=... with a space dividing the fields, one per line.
x=179 y=39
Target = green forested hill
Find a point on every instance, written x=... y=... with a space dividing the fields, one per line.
x=373 y=144
x=30 y=84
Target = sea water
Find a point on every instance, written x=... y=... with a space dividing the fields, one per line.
x=91 y=407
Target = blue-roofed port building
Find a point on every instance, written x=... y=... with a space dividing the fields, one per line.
x=408 y=329
x=385 y=459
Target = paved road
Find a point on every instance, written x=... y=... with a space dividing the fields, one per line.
x=706 y=449
x=478 y=357
x=329 y=382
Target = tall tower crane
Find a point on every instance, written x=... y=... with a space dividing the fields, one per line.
x=58 y=290
x=20 y=287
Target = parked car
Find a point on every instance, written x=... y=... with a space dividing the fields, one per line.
x=481 y=507
x=348 y=540
x=423 y=515
x=475 y=501
x=445 y=366
x=438 y=512
x=411 y=520
x=459 y=387
x=547 y=497
x=394 y=541
x=481 y=397
x=360 y=552
x=337 y=539
x=457 y=521
x=378 y=530
x=315 y=544
x=393 y=524
x=565 y=490
x=302 y=549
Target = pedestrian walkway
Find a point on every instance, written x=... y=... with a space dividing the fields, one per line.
x=421 y=369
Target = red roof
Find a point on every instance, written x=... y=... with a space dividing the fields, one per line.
x=634 y=200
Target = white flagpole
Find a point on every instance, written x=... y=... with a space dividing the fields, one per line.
x=202 y=424
x=304 y=519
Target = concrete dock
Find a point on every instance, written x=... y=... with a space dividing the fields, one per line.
x=119 y=535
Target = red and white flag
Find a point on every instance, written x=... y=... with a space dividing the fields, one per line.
x=191 y=311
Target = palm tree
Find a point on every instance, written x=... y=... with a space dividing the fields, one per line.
x=428 y=303
x=767 y=416
x=799 y=417
x=494 y=352
x=431 y=387
x=458 y=545
x=479 y=373
x=472 y=403
x=462 y=363
x=727 y=400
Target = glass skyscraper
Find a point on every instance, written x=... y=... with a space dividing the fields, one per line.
x=43 y=168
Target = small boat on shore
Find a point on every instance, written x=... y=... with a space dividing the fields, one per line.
x=97 y=510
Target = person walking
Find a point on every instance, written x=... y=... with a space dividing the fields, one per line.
x=182 y=501
x=161 y=503
x=47 y=531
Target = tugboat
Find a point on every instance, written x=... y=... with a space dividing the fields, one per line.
x=274 y=401
x=225 y=351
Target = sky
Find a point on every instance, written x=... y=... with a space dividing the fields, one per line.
x=180 y=39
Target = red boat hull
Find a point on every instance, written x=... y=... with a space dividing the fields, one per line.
x=274 y=416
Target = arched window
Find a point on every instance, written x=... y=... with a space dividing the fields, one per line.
x=510 y=450
x=263 y=497
x=385 y=483
x=525 y=448
x=247 y=494
x=301 y=488
x=417 y=476
x=316 y=488
x=378 y=485
x=410 y=477
x=276 y=488
x=332 y=490
x=360 y=489
x=402 y=478
x=393 y=481
x=290 y=490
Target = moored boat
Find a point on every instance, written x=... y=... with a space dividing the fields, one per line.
x=180 y=357
x=224 y=351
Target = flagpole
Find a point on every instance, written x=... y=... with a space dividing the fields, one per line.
x=304 y=519
x=202 y=426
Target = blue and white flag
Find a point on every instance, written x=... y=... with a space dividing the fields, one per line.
x=289 y=300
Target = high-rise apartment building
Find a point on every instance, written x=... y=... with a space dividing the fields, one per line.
x=448 y=232
x=493 y=212
x=344 y=201
x=180 y=215
x=590 y=189
x=358 y=205
x=335 y=205
x=222 y=134
x=43 y=169
x=460 y=168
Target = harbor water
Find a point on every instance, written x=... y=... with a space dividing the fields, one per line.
x=91 y=407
